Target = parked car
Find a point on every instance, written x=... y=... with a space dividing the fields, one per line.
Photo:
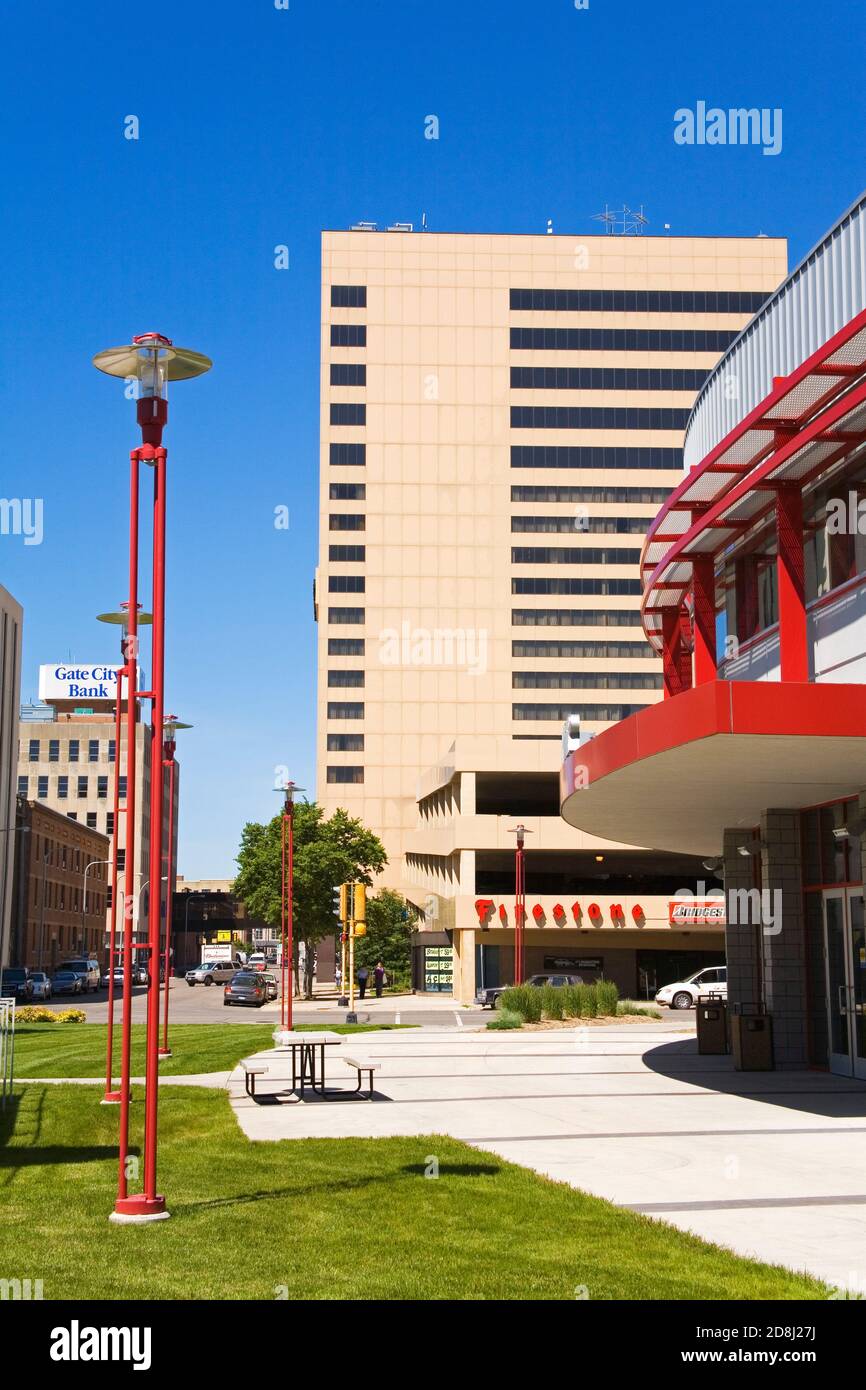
x=67 y=982
x=88 y=968
x=684 y=994
x=118 y=978
x=247 y=987
x=271 y=984
x=489 y=998
x=17 y=983
x=210 y=971
x=41 y=985
x=257 y=961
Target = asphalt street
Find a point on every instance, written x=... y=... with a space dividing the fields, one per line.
x=204 y=1004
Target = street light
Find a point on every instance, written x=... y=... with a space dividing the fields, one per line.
x=171 y=724
x=519 y=901
x=287 y=847
x=150 y=361
x=119 y=618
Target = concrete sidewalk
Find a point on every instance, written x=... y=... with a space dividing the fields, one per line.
x=771 y=1164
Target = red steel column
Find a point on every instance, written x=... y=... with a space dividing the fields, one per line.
x=165 y=1050
x=111 y=1096
x=129 y=832
x=704 y=598
x=791 y=584
x=671 y=652
x=153 y=1202
x=289 y=823
x=746 y=582
x=285 y=964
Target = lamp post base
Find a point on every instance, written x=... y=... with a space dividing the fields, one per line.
x=110 y=1098
x=351 y=1018
x=135 y=1211
x=343 y=1002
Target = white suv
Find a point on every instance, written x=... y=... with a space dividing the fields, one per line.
x=684 y=994
x=212 y=971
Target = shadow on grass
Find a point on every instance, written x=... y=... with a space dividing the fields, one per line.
x=14 y=1159
x=332 y=1188
x=455 y=1170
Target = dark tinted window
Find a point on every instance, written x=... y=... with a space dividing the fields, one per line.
x=349 y=296
x=622 y=339
x=348 y=374
x=593 y=417
x=345 y=710
x=608 y=378
x=640 y=301
x=593 y=457
x=347 y=455
x=348 y=335
x=348 y=413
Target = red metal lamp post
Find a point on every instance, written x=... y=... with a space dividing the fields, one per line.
x=170 y=728
x=519 y=902
x=287 y=849
x=119 y=619
x=150 y=361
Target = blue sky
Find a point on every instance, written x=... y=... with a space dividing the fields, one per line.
x=259 y=127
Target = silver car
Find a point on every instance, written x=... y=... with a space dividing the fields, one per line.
x=41 y=985
x=210 y=972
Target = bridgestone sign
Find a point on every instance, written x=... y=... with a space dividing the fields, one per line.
x=697 y=912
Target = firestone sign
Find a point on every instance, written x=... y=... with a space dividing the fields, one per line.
x=72 y=682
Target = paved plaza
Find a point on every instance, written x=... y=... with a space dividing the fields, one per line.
x=770 y=1164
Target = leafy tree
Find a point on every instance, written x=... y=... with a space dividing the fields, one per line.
x=390 y=922
x=326 y=852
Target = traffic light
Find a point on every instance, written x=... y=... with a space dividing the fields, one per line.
x=341 y=903
x=360 y=912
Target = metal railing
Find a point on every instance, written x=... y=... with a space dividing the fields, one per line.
x=7 y=1049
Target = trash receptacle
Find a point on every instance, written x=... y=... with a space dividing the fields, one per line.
x=752 y=1038
x=712 y=1016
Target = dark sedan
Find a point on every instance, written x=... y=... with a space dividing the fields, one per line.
x=489 y=998
x=246 y=987
x=66 y=982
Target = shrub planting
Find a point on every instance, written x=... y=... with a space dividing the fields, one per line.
x=524 y=1000
x=36 y=1013
x=505 y=1020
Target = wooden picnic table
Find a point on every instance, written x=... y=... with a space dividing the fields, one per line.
x=303 y=1048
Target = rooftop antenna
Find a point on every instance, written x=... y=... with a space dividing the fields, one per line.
x=622 y=223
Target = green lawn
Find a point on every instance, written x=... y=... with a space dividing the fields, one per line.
x=78 y=1049
x=325 y=1219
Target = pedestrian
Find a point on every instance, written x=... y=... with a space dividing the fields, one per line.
x=379 y=978
x=338 y=977
x=363 y=976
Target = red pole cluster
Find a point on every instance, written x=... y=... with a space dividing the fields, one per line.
x=149 y=1204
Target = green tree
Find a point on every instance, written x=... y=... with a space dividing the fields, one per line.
x=326 y=852
x=390 y=922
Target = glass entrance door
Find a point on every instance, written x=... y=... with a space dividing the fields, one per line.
x=845 y=956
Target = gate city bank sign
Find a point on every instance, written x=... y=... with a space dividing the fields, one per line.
x=69 y=682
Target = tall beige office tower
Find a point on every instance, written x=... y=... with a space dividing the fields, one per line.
x=501 y=417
